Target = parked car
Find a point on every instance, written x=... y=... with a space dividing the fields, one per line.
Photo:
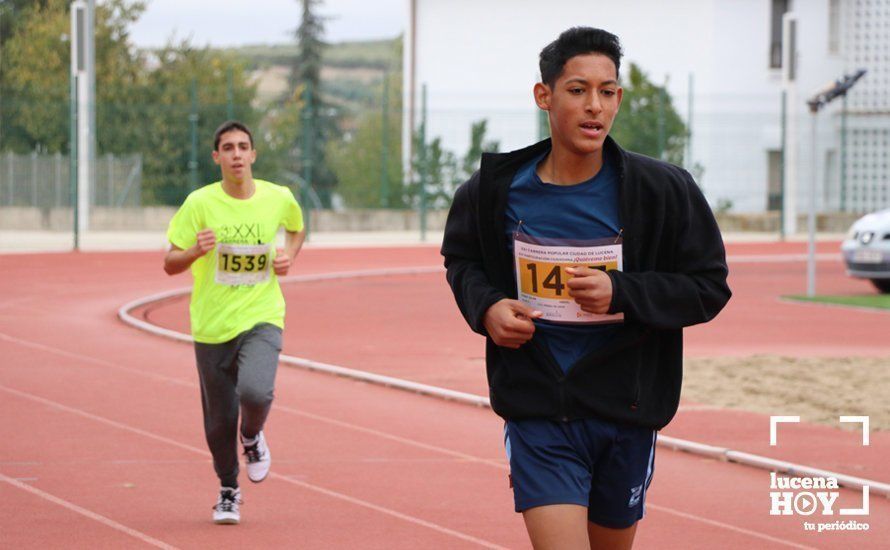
x=866 y=249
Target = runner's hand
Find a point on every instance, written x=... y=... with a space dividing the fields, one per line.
x=281 y=263
x=509 y=323
x=590 y=288
x=206 y=241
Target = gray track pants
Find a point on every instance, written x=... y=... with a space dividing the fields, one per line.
x=238 y=374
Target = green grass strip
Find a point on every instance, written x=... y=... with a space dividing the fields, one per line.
x=877 y=301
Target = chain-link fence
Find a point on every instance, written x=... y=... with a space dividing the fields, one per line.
x=153 y=155
x=44 y=181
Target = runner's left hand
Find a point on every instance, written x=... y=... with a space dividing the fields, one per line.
x=590 y=288
x=281 y=263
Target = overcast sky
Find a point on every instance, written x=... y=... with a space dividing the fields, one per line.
x=228 y=23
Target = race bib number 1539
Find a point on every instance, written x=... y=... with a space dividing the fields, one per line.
x=238 y=264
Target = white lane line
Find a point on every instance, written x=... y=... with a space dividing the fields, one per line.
x=780 y=258
x=89 y=359
x=321 y=490
x=277 y=407
x=88 y=513
x=377 y=433
x=729 y=455
x=389 y=512
x=720 y=524
x=392 y=437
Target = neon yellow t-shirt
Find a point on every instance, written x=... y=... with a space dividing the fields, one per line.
x=235 y=285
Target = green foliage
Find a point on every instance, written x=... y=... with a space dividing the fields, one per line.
x=478 y=145
x=358 y=157
x=647 y=122
x=143 y=103
x=36 y=66
x=277 y=138
x=163 y=122
x=441 y=170
x=13 y=13
x=319 y=117
x=146 y=102
x=723 y=206
x=307 y=65
x=358 y=163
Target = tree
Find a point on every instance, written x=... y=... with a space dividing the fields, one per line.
x=357 y=157
x=442 y=169
x=647 y=122
x=12 y=13
x=185 y=81
x=278 y=136
x=36 y=94
x=143 y=101
x=319 y=118
x=478 y=145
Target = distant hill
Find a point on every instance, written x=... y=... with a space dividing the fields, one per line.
x=351 y=71
x=366 y=53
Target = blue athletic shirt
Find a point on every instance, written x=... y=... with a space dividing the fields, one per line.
x=587 y=210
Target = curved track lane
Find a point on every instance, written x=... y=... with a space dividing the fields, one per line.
x=105 y=423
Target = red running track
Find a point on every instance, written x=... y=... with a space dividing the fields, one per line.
x=103 y=447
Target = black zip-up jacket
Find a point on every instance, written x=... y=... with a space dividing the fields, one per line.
x=674 y=276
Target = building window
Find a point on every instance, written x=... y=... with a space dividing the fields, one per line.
x=779 y=7
x=834 y=26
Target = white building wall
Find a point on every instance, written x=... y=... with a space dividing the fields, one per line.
x=478 y=59
x=867 y=45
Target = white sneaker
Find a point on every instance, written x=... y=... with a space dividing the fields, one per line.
x=259 y=459
x=228 y=507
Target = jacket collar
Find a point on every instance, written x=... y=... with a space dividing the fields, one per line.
x=496 y=173
x=494 y=165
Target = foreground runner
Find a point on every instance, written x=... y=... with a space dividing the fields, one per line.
x=613 y=253
x=225 y=232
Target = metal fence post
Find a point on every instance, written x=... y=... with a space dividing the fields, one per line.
x=72 y=153
x=230 y=95
x=307 y=154
x=34 y=178
x=193 y=130
x=661 y=123
x=384 y=176
x=57 y=160
x=109 y=159
x=424 y=167
x=10 y=170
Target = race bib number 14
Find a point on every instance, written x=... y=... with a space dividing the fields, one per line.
x=239 y=264
x=541 y=275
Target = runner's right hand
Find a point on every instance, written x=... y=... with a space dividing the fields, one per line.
x=206 y=241
x=509 y=323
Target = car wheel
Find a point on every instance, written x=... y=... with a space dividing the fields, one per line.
x=882 y=285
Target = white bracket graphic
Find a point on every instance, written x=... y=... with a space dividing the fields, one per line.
x=858 y=511
x=773 y=421
x=860 y=420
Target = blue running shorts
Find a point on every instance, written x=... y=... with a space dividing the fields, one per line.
x=590 y=462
